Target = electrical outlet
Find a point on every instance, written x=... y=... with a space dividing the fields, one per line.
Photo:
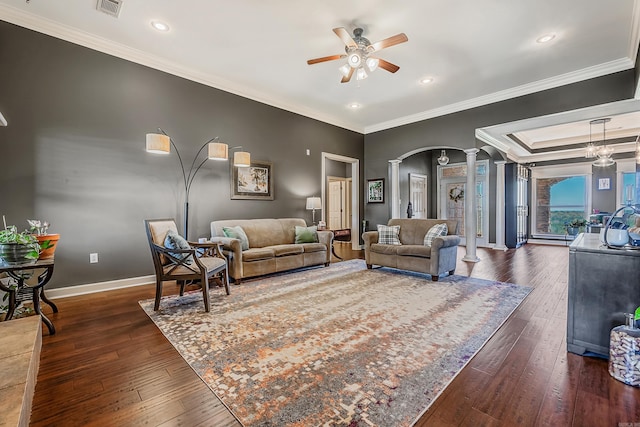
x=93 y=258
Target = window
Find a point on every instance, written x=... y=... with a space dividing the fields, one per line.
x=628 y=188
x=559 y=200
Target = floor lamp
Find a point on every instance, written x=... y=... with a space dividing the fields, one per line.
x=160 y=143
x=314 y=203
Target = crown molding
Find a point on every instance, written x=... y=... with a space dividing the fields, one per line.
x=100 y=44
x=529 y=88
x=55 y=29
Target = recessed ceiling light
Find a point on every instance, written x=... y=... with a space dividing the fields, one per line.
x=546 y=38
x=354 y=105
x=426 y=81
x=160 y=26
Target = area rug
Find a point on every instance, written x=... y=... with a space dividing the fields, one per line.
x=335 y=346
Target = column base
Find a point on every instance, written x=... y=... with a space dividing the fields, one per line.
x=468 y=258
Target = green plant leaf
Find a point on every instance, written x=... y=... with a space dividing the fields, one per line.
x=637 y=315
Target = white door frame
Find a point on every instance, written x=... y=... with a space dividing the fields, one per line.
x=481 y=241
x=355 y=193
x=424 y=190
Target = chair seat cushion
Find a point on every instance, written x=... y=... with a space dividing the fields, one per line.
x=415 y=250
x=314 y=247
x=210 y=263
x=257 y=254
x=381 y=248
x=284 y=250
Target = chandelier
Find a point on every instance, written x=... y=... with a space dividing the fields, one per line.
x=602 y=152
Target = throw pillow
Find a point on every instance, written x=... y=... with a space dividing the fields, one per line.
x=237 y=233
x=306 y=234
x=435 y=231
x=389 y=234
x=175 y=241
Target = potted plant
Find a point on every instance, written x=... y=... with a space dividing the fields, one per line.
x=17 y=248
x=573 y=226
x=48 y=242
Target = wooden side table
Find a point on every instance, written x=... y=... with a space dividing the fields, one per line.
x=342 y=235
x=19 y=274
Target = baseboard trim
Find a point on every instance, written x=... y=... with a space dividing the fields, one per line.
x=91 y=288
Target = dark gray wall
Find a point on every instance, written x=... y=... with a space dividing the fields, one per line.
x=457 y=130
x=73 y=153
x=604 y=200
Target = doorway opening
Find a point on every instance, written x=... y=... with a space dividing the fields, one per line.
x=343 y=195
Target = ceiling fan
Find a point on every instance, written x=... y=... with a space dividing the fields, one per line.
x=359 y=51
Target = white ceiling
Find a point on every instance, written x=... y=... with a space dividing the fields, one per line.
x=477 y=52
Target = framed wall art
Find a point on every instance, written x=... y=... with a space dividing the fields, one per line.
x=375 y=190
x=604 y=184
x=252 y=183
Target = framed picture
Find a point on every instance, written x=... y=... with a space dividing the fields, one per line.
x=252 y=183
x=375 y=190
x=604 y=184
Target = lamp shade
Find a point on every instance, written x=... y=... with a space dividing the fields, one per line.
x=314 y=203
x=158 y=143
x=218 y=151
x=241 y=159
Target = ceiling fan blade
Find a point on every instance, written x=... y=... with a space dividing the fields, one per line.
x=325 y=59
x=391 y=41
x=346 y=78
x=386 y=65
x=345 y=37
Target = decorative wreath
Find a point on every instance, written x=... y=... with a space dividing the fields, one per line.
x=456 y=194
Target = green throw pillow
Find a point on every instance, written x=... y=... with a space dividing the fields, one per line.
x=175 y=241
x=307 y=234
x=237 y=233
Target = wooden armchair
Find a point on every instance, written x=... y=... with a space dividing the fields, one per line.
x=182 y=265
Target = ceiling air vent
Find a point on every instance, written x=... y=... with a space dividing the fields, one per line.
x=110 y=7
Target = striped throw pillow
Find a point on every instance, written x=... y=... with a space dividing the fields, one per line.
x=435 y=231
x=388 y=234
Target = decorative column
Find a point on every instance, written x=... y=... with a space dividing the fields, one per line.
x=470 y=216
x=395 y=188
x=500 y=202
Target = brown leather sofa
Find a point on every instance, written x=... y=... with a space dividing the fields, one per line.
x=438 y=259
x=272 y=247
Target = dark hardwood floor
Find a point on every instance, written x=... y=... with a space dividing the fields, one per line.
x=108 y=365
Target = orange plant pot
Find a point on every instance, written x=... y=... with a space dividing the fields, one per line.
x=50 y=251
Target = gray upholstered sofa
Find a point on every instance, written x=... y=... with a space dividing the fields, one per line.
x=412 y=255
x=272 y=247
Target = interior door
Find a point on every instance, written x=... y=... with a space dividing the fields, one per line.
x=334 y=208
x=418 y=194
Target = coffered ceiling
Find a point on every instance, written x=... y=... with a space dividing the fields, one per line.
x=474 y=52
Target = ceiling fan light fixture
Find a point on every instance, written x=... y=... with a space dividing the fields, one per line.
x=354 y=59
x=345 y=69
x=372 y=64
x=361 y=74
